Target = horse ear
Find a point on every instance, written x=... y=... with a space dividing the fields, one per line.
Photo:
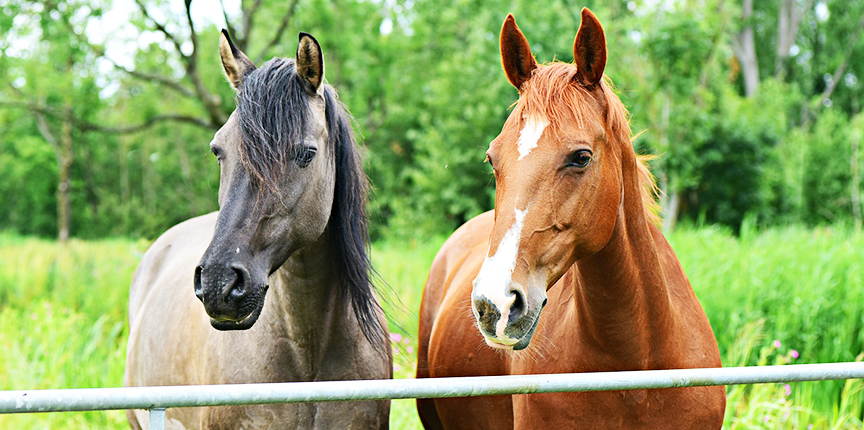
x=310 y=62
x=515 y=53
x=235 y=63
x=589 y=49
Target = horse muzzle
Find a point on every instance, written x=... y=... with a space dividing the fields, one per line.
x=230 y=297
x=513 y=328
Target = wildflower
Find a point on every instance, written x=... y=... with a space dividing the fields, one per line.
x=409 y=349
x=777 y=343
x=406 y=341
x=397 y=367
x=765 y=420
x=788 y=389
x=793 y=353
x=395 y=337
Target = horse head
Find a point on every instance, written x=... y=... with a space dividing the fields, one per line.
x=277 y=179
x=557 y=166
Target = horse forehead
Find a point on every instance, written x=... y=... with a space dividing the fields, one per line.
x=229 y=131
x=318 y=115
x=537 y=132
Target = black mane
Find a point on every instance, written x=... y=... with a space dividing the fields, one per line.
x=272 y=107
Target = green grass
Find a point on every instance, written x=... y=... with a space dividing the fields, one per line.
x=801 y=287
x=62 y=318
x=63 y=322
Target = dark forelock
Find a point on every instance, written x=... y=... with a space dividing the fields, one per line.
x=272 y=108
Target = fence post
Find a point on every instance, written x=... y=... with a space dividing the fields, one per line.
x=157 y=419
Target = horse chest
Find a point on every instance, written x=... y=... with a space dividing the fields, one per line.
x=637 y=409
x=347 y=415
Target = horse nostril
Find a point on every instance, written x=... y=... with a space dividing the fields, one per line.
x=518 y=306
x=199 y=290
x=237 y=290
x=487 y=314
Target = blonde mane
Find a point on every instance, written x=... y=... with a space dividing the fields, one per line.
x=550 y=91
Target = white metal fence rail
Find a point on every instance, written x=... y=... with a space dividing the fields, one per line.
x=157 y=399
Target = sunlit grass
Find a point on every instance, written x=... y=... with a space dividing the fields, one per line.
x=801 y=289
x=62 y=322
x=404 y=268
x=63 y=310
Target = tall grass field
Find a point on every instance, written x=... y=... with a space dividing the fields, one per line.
x=779 y=296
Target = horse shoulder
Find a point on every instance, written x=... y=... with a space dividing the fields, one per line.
x=169 y=263
x=467 y=242
x=179 y=248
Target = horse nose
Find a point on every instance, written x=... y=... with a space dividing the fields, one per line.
x=221 y=289
x=487 y=315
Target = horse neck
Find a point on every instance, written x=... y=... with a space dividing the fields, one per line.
x=621 y=293
x=311 y=310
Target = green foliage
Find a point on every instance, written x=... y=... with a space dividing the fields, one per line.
x=826 y=169
x=29 y=179
x=734 y=156
x=424 y=81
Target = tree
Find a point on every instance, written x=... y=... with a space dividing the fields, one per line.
x=123 y=150
x=59 y=77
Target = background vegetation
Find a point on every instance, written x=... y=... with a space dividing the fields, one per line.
x=754 y=109
x=107 y=107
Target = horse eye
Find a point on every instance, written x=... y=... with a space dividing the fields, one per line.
x=305 y=156
x=579 y=159
x=217 y=152
x=489 y=160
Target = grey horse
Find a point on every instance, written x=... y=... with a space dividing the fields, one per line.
x=291 y=223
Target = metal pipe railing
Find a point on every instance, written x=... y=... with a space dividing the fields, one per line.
x=159 y=398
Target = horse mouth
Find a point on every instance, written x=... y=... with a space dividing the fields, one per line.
x=244 y=324
x=520 y=344
x=523 y=343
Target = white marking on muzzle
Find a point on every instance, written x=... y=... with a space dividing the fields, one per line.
x=530 y=134
x=495 y=275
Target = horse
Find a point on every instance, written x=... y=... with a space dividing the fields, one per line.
x=292 y=224
x=573 y=236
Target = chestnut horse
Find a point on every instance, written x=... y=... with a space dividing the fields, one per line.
x=291 y=223
x=573 y=235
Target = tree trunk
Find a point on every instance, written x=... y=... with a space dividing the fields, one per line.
x=63 y=154
x=125 y=183
x=745 y=49
x=856 y=183
x=788 y=22
x=669 y=201
x=670 y=211
x=64 y=185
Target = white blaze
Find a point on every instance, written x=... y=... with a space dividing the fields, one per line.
x=493 y=281
x=530 y=134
